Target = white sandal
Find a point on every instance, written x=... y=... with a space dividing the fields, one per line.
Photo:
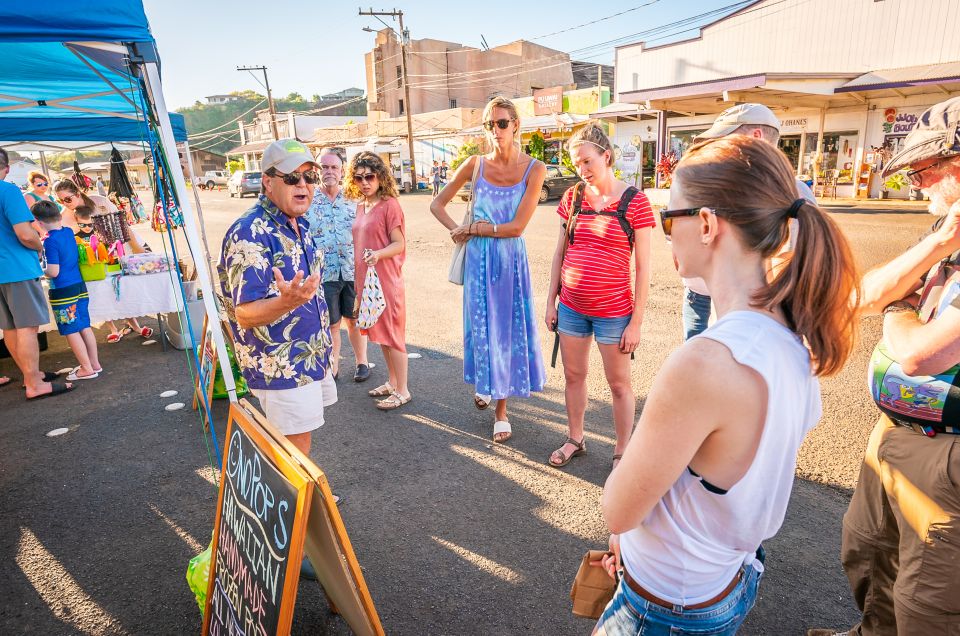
x=501 y=427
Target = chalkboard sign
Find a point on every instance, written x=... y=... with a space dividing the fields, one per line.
x=258 y=534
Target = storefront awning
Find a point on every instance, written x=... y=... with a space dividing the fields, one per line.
x=906 y=77
x=254 y=147
x=616 y=110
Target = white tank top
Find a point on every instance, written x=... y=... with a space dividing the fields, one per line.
x=693 y=542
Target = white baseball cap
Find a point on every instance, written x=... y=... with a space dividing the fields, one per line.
x=286 y=155
x=740 y=115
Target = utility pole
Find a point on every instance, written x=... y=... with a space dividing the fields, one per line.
x=272 y=108
x=406 y=85
x=599 y=87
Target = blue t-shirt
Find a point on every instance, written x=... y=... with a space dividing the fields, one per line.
x=60 y=249
x=17 y=263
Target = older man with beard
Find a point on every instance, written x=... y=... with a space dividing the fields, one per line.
x=901 y=533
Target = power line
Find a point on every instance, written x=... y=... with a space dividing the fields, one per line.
x=580 y=26
x=238 y=118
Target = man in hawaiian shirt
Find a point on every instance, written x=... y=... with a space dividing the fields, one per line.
x=270 y=272
x=331 y=219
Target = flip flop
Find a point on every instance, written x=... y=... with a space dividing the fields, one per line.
x=482 y=401
x=581 y=450
x=395 y=401
x=117 y=337
x=501 y=427
x=146 y=332
x=8 y=381
x=73 y=377
x=48 y=376
x=58 y=388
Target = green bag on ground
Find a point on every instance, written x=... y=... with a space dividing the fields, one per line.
x=198 y=576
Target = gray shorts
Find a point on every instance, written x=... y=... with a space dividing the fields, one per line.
x=23 y=304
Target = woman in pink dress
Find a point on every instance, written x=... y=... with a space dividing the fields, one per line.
x=379 y=241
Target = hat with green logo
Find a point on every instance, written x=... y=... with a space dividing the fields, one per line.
x=286 y=155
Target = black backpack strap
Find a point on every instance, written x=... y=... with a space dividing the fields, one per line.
x=625 y=199
x=575 y=210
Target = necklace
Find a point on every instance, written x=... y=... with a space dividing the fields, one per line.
x=366 y=207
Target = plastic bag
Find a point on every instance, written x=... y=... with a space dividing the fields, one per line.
x=372 y=302
x=198 y=576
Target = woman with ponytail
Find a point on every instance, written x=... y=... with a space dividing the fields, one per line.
x=707 y=475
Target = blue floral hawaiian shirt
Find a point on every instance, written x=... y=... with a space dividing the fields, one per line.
x=294 y=350
x=332 y=225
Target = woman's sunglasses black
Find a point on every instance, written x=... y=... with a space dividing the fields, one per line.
x=312 y=177
x=502 y=124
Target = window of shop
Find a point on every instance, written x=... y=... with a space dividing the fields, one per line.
x=680 y=140
x=839 y=153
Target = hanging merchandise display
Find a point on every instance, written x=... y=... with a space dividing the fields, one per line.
x=112 y=227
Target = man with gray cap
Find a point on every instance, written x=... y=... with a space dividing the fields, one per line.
x=270 y=271
x=901 y=533
x=754 y=120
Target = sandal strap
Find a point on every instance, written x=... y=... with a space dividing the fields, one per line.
x=580 y=445
x=618 y=456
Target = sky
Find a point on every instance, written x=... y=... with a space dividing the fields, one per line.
x=317 y=47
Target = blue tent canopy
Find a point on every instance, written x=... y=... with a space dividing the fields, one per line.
x=71 y=80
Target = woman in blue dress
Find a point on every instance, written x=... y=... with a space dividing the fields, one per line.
x=501 y=348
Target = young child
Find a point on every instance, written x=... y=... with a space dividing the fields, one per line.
x=84 y=218
x=68 y=292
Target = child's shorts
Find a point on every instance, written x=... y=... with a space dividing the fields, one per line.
x=70 y=308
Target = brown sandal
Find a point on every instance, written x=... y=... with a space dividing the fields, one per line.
x=395 y=401
x=383 y=390
x=581 y=450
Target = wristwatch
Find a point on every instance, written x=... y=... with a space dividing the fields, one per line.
x=897 y=307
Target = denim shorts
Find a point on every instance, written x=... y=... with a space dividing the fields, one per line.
x=630 y=613
x=606 y=330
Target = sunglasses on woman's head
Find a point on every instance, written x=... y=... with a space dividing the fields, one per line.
x=311 y=177
x=366 y=177
x=502 y=124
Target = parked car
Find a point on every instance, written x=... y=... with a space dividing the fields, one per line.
x=244 y=182
x=559 y=178
x=213 y=178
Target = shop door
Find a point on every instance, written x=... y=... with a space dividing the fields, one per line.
x=790 y=145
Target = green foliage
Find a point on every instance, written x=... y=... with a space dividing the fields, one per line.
x=466 y=150
x=565 y=158
x=235 y=164
x=537 y=147
x=897 y=181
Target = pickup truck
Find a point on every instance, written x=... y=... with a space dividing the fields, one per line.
x=212 y=179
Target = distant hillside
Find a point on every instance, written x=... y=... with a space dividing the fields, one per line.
x=214 y=127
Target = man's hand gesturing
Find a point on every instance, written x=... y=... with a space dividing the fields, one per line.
x=298 y=290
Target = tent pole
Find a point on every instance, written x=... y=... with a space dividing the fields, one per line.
x=194 y=243
x=196 y=197
x=43 y=164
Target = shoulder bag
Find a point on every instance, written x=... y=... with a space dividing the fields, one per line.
x=455 y=275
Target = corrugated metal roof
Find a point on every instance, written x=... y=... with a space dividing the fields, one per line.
x=906 y=76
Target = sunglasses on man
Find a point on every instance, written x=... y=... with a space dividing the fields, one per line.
x=502 y=124
x=311 y=177
x=915 y=178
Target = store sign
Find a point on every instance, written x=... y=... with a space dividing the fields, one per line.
x=547 y=101
x=793 y=125
x=898 y=122
x=629 y=159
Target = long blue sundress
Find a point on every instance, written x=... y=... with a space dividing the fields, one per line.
x=501 y=348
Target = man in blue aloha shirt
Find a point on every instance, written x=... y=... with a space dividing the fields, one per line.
x=331 y=218
x=270 y=272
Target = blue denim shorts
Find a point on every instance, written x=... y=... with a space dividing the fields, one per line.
x=628 y=613
x=606 y=330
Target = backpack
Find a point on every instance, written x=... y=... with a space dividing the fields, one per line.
x=620 y=214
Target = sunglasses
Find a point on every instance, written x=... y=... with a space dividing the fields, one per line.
x=68 y=198
x=40 y=184
x=366 y=177
x=914 y=175
x=311 y=177
x=667 y=217
x=84 y=225
x=502 y=124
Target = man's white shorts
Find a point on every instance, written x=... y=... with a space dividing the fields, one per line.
x=298 y=410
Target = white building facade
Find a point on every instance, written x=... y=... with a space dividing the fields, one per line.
x=846 y=79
